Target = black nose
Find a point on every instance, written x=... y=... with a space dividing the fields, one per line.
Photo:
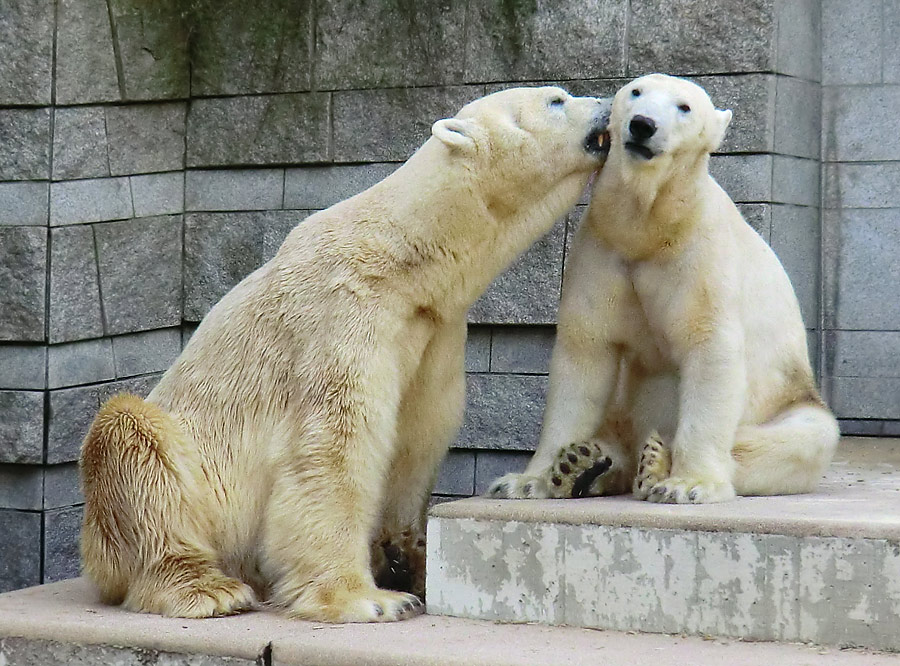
x=642 y=127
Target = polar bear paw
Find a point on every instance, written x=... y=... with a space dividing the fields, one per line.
x=398 y=562
x=519 y=486
x=654 y=466
x=362 y=605
x=680 y=490
x=581 y=469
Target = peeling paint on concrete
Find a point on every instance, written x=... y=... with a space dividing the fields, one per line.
x=828 y=590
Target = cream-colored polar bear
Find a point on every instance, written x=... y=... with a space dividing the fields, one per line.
x=306 y=418
x=680 y=366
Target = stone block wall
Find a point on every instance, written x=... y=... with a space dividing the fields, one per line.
x=861 y=216
x=154 y=152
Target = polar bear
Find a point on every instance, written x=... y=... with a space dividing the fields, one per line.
x=680 y=368
x=293 y=444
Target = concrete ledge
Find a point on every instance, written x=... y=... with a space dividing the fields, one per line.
x=823 y=568
x=63 y=623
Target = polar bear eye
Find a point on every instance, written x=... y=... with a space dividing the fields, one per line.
x=557 y=102
x=684 y=108
x=635 y=92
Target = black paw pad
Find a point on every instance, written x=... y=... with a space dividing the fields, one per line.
x=584 y=480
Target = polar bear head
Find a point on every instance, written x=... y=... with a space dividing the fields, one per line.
x=658 y=116
x=524 y=143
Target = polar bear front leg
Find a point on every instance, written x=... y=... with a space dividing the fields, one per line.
x=431 y=412
x=327 y=486
x=581 y=382
x=713 y=386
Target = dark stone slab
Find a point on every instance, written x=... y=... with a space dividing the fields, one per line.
x=23 y=274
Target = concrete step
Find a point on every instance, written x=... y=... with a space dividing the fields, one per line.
x=63 y=623
x=823 y=568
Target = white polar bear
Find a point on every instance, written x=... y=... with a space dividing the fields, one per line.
x=676 y=319
x=293 y=444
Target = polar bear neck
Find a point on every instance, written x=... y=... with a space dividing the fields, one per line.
x=643 y=213
x=463 y=236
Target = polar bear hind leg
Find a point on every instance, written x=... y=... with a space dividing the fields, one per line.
x=142 y=543
x=786 y=455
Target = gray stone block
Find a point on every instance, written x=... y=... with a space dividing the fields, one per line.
x=26 y=52
x=751 y=97
x=221 y=249
x=503 y=412
x=390 y=125
x=758 y=216
x=812 y=349
x=891 y=47
x=389 y=44
x=23 y=367
x=140 y=273
x=456 y=475
x=21 y=487
x=854 y=123
x=795 y=180
x=795 y=239
x=23 y=271
x=851 y=42
x=152 y=39
x=20 y=549
x=318 y=187
x=693 y=37
x=865 y=397
x=145 y=138
x=871 y=185
x=22 y=426
x=528 y=291
x=798 y=50
x=187 y=330
x=82 y=362
x=478 y=349
x=31 y=652
x=25 y=137
x=96 y=200
x=234 y=51
x=158 y=194
x=74 y=285
x=62 y=486
x=491 y=465
x=24 y=203
x=861 y=270
x=234 y=189
x=85 y=56
x=72 y=410
x=542 y=40
x=861 y=427
x=270 y=129
x=522 y=349
x=862 y=353
x=141 y=353
x=798 y=117
x=746 y=178
x=79 y=143
x=62 y=535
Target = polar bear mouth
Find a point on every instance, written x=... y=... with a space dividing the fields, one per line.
x=597 y=142
x=639 y=149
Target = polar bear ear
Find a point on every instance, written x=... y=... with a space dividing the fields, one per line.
x=723 y=119
x=457 y=133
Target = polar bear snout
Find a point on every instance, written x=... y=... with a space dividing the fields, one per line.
x=597 y=140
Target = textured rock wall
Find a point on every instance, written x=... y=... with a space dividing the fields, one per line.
x=153 y=152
